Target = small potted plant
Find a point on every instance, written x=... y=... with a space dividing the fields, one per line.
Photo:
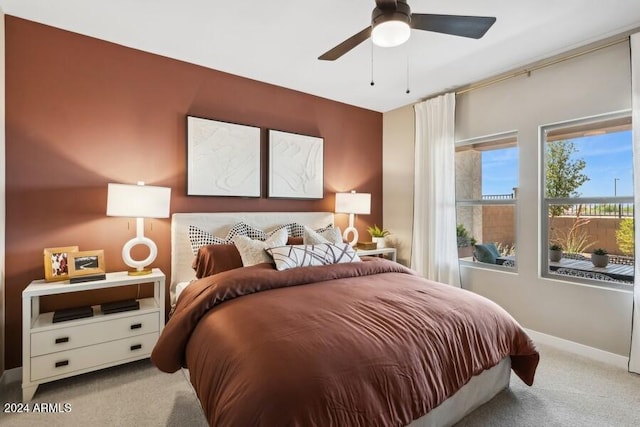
x=465 y=242
x=555 y=252
x=377 y=235
x=600 y=258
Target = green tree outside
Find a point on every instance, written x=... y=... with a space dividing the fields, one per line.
x=563 y=175
x=563 y=178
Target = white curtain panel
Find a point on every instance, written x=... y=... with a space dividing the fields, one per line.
x=634 y=357
x=434 y=252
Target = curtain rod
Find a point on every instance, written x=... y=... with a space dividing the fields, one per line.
x=529 y=70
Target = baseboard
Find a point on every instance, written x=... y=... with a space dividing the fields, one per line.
x=580 y=349
x=11 y=376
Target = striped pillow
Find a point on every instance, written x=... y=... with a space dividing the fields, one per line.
x=293 y=256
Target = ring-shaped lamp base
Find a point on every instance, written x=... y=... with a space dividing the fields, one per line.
x=354 y=239
x=139 y=266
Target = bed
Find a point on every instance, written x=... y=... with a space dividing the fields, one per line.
x=350 y=344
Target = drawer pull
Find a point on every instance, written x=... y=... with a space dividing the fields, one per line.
x=136 y=326
x=62 y=363
x=136 y=347
x=62 y=340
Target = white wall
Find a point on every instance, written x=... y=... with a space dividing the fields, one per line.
x=397 y=178
x=592 y=84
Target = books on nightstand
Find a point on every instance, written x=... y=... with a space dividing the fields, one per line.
x=72 y=313
x=367 y=245
x=118 y=306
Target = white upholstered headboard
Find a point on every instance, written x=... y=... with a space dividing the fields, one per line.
x=218 y=224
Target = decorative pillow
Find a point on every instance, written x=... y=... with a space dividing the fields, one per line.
x=214 y=259
x=493 y=249
x=287 y=257
x=242 y=229
x=294 y=229
x=253 y=251
x=295 y=240
x=323 y=229
x=199 y=238
x=326 y=235
x=486 y=253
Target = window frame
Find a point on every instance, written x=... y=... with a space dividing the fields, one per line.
x=588 y=123
x=506 y=138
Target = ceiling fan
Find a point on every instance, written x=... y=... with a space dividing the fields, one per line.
x=392 y=21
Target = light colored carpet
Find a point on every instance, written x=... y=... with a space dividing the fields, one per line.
x=135 y=394
x=568 y=391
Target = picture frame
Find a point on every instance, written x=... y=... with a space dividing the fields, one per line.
x=296 y=165
x=56 y=263
x=86 y=263
x=223 y=159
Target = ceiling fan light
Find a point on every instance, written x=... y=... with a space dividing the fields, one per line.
x=390 y=33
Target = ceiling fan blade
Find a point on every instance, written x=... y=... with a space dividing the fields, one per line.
x=464 y=26
x=346 y=46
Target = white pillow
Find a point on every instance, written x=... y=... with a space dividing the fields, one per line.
x=293 y=256
x=253 y=251
x=330 y=235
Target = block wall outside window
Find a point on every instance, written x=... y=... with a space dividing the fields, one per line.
x=486 y=186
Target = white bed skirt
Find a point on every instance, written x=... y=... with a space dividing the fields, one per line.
x=478 y=391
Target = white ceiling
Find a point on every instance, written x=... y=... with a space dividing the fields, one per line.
x=278 y=41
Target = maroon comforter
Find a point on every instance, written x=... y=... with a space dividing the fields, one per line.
x=362 y=344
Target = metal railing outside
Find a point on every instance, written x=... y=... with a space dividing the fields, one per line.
x=497 y=196
x=616 y=210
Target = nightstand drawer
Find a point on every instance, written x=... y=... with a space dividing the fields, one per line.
x=107 y=354
x=109 y=329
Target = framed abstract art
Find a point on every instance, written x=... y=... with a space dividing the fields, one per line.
x=296 y=166
x=223 y=159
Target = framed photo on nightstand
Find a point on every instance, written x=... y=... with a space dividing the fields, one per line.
x=86 y=265
x=56 y=263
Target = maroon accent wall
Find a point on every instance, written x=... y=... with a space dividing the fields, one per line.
x=81 y=113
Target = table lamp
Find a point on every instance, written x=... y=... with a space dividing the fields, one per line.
x=139 y=202
x=353 y=203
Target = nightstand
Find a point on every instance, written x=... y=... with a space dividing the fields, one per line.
x=386 y=252
x=51 y=351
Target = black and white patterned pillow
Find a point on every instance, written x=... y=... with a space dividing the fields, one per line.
x=293 y=256
x=322 y=229
x=293 y=229
x=243 y=229
x=199 y=237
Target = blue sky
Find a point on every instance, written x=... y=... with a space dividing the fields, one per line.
x=607 y=157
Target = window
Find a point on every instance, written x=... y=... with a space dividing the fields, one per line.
x=486 y=187
x=587 y=206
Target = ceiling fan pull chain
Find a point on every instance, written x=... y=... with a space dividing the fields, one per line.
x=408 y=91
x=372 y=82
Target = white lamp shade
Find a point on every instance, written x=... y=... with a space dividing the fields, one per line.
x=356 y=203
x=138 y=201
